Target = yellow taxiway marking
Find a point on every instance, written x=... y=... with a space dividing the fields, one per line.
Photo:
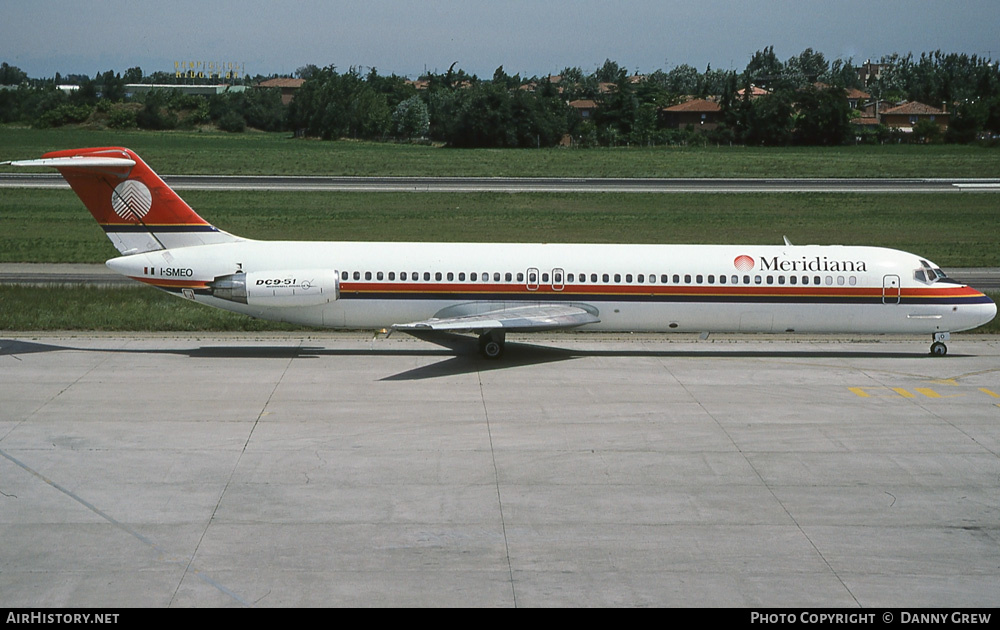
x=881 y=391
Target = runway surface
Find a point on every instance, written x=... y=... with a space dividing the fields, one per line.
x=583 y=470
x=543 y=184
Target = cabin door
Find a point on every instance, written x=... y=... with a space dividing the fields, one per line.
x=890 y=289
x=558 y=279
x=531 y=279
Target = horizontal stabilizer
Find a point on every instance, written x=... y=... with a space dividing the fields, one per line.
x=79 y=161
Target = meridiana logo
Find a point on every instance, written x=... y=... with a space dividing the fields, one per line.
x=131 y=200
x=743 y=262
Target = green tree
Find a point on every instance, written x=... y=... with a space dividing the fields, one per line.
x=770 y=120
x=333 y=105
x=764 y=69
x=683 y=80
x=411 y=119
x=11 y=75
x=616 y=111
x=806 y=68
x=823 y=118
x=112 y=86
x=927 y=131
x=133 y=75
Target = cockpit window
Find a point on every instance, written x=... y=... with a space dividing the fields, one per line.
x=930 y=274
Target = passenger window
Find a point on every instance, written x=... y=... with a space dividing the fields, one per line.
x=628 y=278
x=545 y=277
x=473 y=276
x=496 y=276
x=379 y=276
x=793 y=279
x=663 y=278
x=853 y=281
x=698 y=279
x=640 y=278
x=840 y=280
x=520 y=276
x=711 y=279
x=829 y=280
x=461 y=276
x=593 y=278
x=451 y=276
x=392 y=275
x=677 y=279
x=746 y=279
x=357 y=275
x=368 y=275
x=687 y=278
x=508 y=276
x=816 y=280
x=757 y=279
x=722 y=279
x=605 y=278
x=427 y=276
x=735 y=280
x=781 y=279
x=618 y=278
x=770 y=279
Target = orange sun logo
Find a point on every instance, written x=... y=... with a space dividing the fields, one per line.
x=131 y=200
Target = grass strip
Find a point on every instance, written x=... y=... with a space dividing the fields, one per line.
x=953 y=230
x=255 y=153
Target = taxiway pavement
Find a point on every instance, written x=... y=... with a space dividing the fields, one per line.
x=582 y=470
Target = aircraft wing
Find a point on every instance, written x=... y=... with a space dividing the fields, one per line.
x=531 y=318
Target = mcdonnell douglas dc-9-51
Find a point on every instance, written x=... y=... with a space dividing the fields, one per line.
x=490 y=289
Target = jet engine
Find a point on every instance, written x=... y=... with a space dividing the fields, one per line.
x=297 y=287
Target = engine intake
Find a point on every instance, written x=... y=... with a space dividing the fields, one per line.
x=297 y=287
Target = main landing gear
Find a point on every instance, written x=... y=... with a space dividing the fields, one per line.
x=491 y=344
x=938 y=349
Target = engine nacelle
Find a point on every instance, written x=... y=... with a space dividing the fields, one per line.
x=296 y=287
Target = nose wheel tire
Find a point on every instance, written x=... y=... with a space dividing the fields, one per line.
x=938 y=349
x=491 y=345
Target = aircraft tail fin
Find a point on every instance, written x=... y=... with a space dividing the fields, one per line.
x=136 y=209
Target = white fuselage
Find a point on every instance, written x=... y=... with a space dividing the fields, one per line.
x=693 y=288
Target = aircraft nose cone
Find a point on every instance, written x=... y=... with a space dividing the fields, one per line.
x=989 y=311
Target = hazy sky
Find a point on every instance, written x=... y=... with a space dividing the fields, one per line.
x=43 y=37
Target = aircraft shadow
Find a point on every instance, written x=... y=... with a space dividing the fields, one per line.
x=461 y=354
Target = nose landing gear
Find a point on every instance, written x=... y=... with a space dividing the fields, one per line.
x=938 y=348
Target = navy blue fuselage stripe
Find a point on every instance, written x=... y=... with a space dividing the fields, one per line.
x=160 y=228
